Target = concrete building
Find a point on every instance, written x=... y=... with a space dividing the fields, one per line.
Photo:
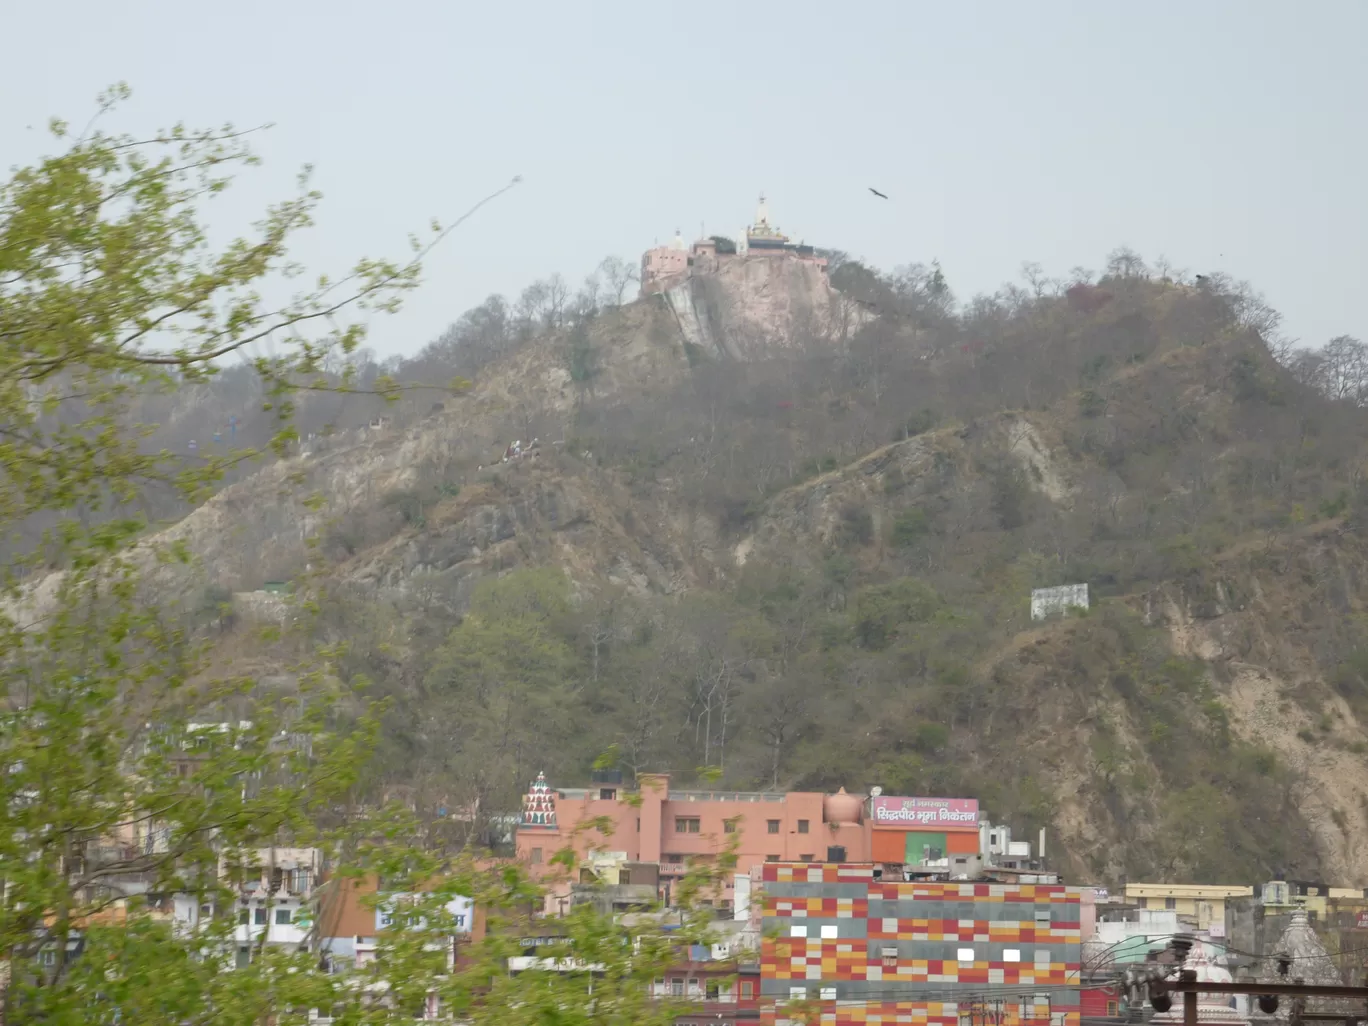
x=272 y=893
x=668 y=827
x=352 y=913
x=614 y=884
x=1200 y=905
x=867 y=949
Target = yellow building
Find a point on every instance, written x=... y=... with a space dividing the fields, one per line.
x=1201 y=904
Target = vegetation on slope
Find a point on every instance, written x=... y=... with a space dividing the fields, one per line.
x=855 y=528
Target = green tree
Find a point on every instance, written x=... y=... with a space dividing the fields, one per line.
x=499 y=697
x=127 y=773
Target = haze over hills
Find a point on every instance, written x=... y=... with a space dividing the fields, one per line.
x=776 y=523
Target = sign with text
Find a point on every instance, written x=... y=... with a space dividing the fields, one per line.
x=931 y=812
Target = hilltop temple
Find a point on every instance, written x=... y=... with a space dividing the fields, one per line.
x=664 y=267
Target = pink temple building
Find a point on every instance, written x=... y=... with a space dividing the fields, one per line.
x=664 y=267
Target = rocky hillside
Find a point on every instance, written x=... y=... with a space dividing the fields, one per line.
x=810 y=565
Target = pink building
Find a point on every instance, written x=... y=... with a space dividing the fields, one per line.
x=668 y=826
x=664 y=267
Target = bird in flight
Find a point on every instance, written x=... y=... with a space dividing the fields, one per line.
x=876 y=192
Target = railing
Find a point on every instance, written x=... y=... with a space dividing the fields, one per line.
x=724 y=796
x=665 y=991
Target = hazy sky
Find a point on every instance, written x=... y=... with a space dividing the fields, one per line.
x=1223 y=135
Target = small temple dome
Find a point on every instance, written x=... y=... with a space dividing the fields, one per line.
x=1212 y=1009
x=841 y=807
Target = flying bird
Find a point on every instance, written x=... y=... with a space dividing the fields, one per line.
x=876 y=192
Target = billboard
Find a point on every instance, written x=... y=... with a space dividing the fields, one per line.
x=928 y=812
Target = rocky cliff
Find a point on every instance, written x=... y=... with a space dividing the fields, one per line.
x=757 y=307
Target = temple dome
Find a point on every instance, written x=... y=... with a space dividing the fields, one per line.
x=841 y=807
x=1212 y=1009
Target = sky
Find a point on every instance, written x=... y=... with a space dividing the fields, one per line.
x=1221 y=135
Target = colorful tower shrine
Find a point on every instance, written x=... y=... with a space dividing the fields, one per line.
x=539 y=805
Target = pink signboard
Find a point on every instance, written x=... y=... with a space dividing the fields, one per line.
x=930 y=812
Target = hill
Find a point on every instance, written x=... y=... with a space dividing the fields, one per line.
x=807 y=561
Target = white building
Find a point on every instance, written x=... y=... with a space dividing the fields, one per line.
x=275 y=899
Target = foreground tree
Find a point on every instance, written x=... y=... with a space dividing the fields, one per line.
x=127 y=775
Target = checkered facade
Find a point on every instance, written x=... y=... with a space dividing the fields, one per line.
x=862 y=950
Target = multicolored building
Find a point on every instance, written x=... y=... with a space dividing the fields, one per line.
x=863 y=949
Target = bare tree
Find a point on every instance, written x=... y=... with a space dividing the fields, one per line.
x=618 y=276
x=532 y=307
x=1124 y=262
x=1344 y=369
x=557 y=295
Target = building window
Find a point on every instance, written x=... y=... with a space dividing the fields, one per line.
x=283 y=916
x=804 y=858
x=890 y=958
x=259 y=916
x=1011 y=955
x=1112 y=1010
x=828 y=993
x=1142 y=902
x=771 y=858
x=607 y=794
x=797 y=993
x=536 y=856
x=966 y=955
x=244 y=916
x=802 y=826
x=1170 y=903
x=797 y=931
x=729 y=826
x=710 y=991
x=829 y=932
x=686 y=824
x=1042 y=956
x=747 y=990
x=1042 y=918
x=772 y=825
x=677 y=987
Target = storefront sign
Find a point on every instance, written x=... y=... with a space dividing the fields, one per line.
x=913 y=812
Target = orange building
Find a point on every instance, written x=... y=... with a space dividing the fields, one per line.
x=662 y=825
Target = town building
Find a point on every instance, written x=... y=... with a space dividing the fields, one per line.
x=275 y=896
x=866 y=947
x=1199 y=905
x=352 y=912
x=657 y=824
x=664 y=267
